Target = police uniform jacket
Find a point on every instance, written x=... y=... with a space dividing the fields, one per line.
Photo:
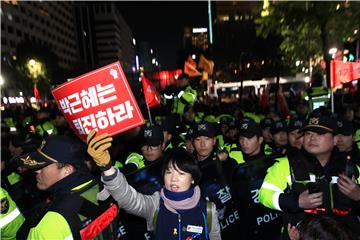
x=299 y=171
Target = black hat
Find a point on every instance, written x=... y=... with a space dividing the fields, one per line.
x=266 y=122
x=278 y=126
x=203 y=129
x=55 y=149
x=152 y=136
x=321 y=124
x=189 y=134
x=225 y=120
x=249 y=129
x=233 y=124
x=295 y=124
x=344 y=127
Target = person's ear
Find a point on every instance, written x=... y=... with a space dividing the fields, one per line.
x=69 y=169
x=163 y=145
x=335 y=140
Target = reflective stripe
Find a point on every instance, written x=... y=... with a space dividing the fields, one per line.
x=9 y=217
x=275 y=200
x=272 y=187
x=70 y=237
x=135 y=162
x=312 y=178
x=82 y=185
x=334 y=179
x=288 y=179
x=180 y=94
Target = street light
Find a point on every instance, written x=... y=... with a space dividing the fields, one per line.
x=35 y=68
x=332 y=51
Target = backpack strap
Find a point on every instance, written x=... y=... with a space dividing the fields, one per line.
x=209 y=215
x=155 y=218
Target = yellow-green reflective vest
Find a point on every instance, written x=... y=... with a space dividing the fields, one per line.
x=11 y=218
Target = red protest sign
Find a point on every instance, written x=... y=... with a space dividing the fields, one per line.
x=101 y=100
x=343 y=72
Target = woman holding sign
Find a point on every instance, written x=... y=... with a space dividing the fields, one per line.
x=177 y=211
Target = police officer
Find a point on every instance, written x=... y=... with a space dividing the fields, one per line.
x=312 y=181
x=11 y=218
x=152 y=148
x=255 y=220
x=170 y=127
x=188 y=144
x=345 y=142
x=186 y=96
x=265 y=125
x=295 y=137
x=216 y=167
x=206 y=152
x=317 y=94
x=280 y=139
x=72 y=205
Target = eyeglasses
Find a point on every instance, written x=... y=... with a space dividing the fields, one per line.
x=149 y=148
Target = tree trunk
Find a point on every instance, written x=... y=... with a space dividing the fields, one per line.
x=325 y=48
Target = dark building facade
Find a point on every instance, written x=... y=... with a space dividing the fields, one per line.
x=104 y=36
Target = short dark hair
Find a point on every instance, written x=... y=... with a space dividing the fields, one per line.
x=323 y=228
x=180 y=159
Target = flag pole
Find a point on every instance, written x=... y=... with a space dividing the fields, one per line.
x=147 y=106
x=332 y=100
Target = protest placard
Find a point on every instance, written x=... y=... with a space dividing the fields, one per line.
x=101 y=99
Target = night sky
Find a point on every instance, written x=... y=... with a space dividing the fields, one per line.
x=162 y=25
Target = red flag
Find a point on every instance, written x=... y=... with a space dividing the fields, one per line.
x=190 y=70
x=206 y=64
x=36 y=93
x=191 y=61
x=343 y=72
x=151 y=96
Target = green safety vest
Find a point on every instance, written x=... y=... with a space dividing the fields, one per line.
x=220 y=140
x=118 y=164
x=199 y=116
x=189 y=96
x=218 y=118
x=54 y=220
x=279 y=177
x=46 y=127
x=11 y=218
x=169 y=147
x=137 y=159
x=14 y=178
x=253 y=116
x=210 y=119
x=357 y=135
x=235 y=152
x=267 y=149
x=319 y=94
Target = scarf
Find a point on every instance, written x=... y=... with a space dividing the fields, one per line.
x=174 y=201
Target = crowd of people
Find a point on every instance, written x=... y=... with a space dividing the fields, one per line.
x=202 y=170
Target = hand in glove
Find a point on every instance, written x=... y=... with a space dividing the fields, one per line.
x=98 y=149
